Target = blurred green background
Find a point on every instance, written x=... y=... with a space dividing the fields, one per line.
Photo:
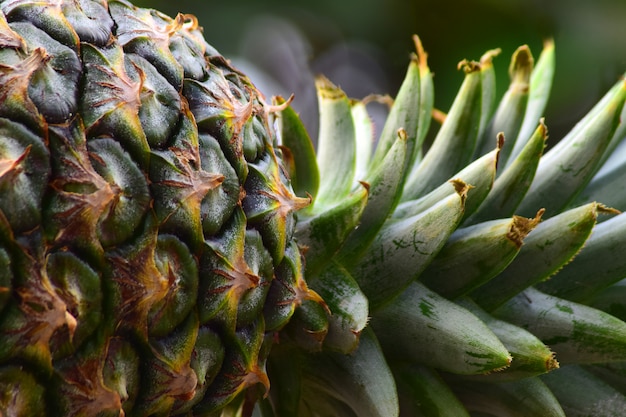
x=363 y=45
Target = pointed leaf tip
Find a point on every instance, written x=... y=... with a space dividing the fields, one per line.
x=468 y=66
x=422 y=56
x=461 y=187
x=602 y=209
x=487 y=58
x=548 y=43
x=521 y=67
x=499 y=144
x=522 y=226
x=327 y=89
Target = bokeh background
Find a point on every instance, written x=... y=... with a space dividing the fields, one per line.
x=364 y=45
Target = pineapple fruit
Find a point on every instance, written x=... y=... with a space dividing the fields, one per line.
x=172 y=244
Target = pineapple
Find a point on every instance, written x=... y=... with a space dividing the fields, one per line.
x=172 y=244
x=135 y=160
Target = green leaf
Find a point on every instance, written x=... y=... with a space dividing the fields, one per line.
x=611 y=300
x=612 y=373
x=582 y=394
x=364 y=132
x=512 y=184
x=478 y=175
x=304 y=173
x=552 y=244
x=567 y=168
x=528 y=397
x=422 y=392
x=475 y=254
x=407 y=110
x=336 y=146
x=488 y=87
x=283 y=369
x=599 y=264
x=335 y=384
x=404 y=248
x=385 y=186
x=608 y=186
x=323 y=234
x=427 y=101
x=540 y=85
x=577 y=333
x=454 y=144
x=422 y=327
x=618 y=137
x=531 y=357
x=510 y=113
x=347 y=304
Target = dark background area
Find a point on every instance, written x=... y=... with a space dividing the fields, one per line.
x=363 y=45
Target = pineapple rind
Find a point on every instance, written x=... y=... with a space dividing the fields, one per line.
x=129 y=211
